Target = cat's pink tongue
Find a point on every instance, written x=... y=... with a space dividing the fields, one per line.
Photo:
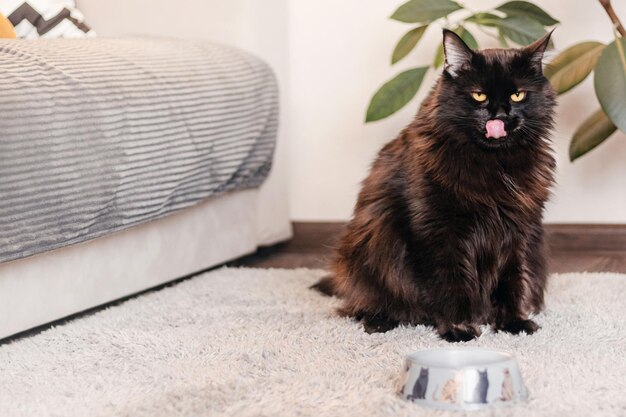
x=495 y=129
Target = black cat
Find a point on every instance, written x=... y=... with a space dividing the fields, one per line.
x=421 y=384
x=480 y=390
x=447 y=228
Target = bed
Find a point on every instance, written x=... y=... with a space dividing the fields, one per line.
x=126 y=163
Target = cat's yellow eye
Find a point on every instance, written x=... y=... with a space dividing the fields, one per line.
x=479 y=97
x=519 y=96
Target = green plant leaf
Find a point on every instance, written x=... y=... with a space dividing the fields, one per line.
x=610 y=82
x=573 y=65
x=484 y=19
x=524 y=8
x=416 y=11
x=395 y=94
x=590 y=134
x=407 y=43
x=467 y=37
x=521 y=29
x=502 y=40
x=439 y=57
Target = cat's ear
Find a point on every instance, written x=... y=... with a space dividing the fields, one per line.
x=536 y=50
x=458 y=55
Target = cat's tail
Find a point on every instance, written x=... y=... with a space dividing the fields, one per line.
x=325 y=286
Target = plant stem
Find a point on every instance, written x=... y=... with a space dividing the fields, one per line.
x=609 y=10
x=620 y=51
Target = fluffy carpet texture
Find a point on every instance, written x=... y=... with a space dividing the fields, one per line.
x=252 y=342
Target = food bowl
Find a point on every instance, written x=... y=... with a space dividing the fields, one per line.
x=462 y=379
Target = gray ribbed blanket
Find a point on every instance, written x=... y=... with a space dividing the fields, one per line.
x=98 y=135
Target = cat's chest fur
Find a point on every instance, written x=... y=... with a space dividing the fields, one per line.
x=483 y=229
x=481 y=241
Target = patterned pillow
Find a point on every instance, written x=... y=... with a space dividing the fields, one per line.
x=45 y=18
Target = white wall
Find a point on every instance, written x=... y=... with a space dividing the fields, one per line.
x=339 y=55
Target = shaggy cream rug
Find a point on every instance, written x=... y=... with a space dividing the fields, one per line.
x=252 y=342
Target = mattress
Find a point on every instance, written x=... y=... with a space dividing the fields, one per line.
x=99 y=135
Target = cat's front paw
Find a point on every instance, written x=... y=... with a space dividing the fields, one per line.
x=458 y=332
x=378 y=324
x=519 y=326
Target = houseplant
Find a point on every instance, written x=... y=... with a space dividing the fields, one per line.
x=608 y=63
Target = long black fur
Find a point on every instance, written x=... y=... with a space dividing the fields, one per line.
x=447 y=229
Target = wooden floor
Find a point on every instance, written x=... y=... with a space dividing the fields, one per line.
x=573 y=248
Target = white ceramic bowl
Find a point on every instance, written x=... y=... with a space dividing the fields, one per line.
x=462 y=379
